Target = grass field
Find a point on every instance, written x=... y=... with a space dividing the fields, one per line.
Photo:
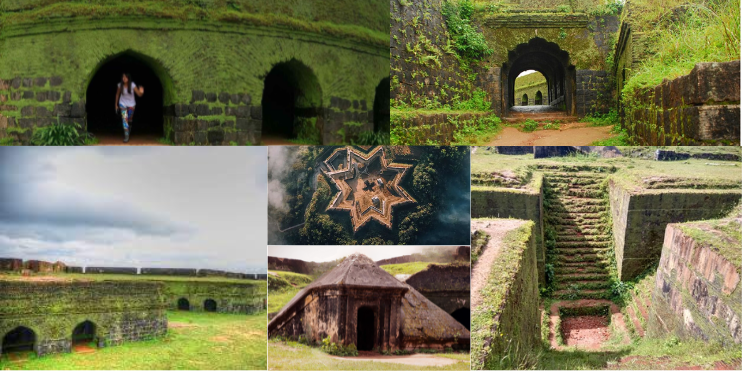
x=294 y=356
x=195 y=341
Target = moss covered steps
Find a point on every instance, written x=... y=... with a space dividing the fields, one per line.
x=580 y=253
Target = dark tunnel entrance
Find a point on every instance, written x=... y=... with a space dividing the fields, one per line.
x=381 y=107
x=462 y=316
x=100 y=97
x=365 y=333
x=292 y=105
x=210 y=305
x=524 y=100
x=20 y=339
x=183 y=304
x=539 y=98
x=551 y=62
x=83 y=333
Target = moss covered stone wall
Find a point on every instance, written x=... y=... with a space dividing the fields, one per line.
x=120 y=310
x=697 y=290
x=211 y=62
x=640 y=218
x=507 y=325
x=518 y=204
x=423 y=62
x=701 y=108
x=230 y=297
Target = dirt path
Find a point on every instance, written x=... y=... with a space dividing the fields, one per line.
x=268 y=140
x=573 y=134
x=585 y=332
x=135 y=140
x=480 y=272
x=410 y=360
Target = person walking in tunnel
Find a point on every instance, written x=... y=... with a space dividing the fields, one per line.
x=126 y=103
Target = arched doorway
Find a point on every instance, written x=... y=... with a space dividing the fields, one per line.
x=365 y=329
x=552 y=62
x=381 y=107
x=183 y=304
x=462 y=316
x=102 y=119
x=83 y=333
x=539 y=98
x=292 y=105
x=210 y=305
x=524 y=100
x=20 y=339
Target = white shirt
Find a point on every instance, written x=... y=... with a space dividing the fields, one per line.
x=127 y=98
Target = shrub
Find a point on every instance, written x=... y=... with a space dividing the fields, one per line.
x=332 y=348
x=371 y=138
x=57 y=135
x=467 y=40
x=529 y=126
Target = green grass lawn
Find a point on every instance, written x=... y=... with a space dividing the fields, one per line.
x=196 y=341
x=295 y=356
x=405 y=268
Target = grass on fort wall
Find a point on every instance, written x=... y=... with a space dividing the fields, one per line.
x=405 y=268
x=291 y=355
x=283 y=288
x=631 y=171
x=678 y=38
x=197 y=341
x=131 y=277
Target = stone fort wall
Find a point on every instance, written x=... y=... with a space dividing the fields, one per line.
x=120 y=310
x=210 y=59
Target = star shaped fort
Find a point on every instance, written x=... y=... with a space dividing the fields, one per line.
x=368 y=185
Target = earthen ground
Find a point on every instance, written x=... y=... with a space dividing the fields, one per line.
x=134 y=140
x=585 y=339
x=83 y=348
x=411 y=360
x=480 y=272
x=572 y=133
x=268 y=140
x=585 y=332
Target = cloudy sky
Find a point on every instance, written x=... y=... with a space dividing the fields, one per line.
x=188 y=207
x=327 y=253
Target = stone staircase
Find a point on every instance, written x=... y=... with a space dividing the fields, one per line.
x=577 y=211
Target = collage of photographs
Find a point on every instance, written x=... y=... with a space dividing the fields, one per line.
x=514 y=184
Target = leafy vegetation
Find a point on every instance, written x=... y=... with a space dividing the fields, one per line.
x=57 y=135
x=605 y=119
x=335 y=349
x=468 y=41
x=529 y=126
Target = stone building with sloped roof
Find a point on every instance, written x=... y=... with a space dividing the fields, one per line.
x=359 y=303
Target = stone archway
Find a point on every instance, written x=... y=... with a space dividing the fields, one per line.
x=102 y=119
x=462 y=316
x=83 y=333
x=539 y=98
x=183 y=304
x=382 y=116
x=210 y=305
x=365 y=328
x=524 y=100
x=552 y=62
x=292 y=105
x=20 y=339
